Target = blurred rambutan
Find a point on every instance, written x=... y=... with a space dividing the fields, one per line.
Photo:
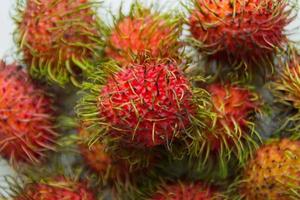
x=233 y=105
x=231 y=133
x=26 y=117
x=187 y=191
x=111 y=162
x=286 y=89
x=58 y=38
x=144 y=32
x=96 y=156
x=273 y=173
x=54 y=189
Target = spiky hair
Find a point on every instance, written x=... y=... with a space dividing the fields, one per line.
x=144 y=31
x=244 y=34
x=27 y=117
x=191 y=104
x=58 y=38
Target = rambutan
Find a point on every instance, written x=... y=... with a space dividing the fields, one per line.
x=144 y=32
x=113 y=163
x=54 y=189
x=26 y=117
x=286 y=89
x=273 y=173
x=96 y=156
x=231 y=132
x=143 y=105
x=239 y=30
x=58 y=38
x=187 y=191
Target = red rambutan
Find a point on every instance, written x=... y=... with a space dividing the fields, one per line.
x=58 y=37
x=96 y=157
x=143 y=105
x=178 y=191
x=54 y=189
x=142 y=32
x=141 y=109
x=240 y=29
x=148 y=103
x=231 y=133
x=232 y=105
x=26 y=117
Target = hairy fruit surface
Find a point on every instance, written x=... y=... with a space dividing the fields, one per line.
x=147 y=105
x=143 y=33
x=239 y=29
x=95 y=156
x=179 y=191
x=58 y=188
x=26 y=117
x=286 y=86
x=233 y=106
x=230 y=134
x=57 y=38
x=274 y=172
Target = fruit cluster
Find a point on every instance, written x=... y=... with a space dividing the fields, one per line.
x=145 y=109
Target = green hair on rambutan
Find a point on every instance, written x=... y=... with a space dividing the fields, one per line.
x=58 y=39
x=144 y=30
x=52 y=182
x=143 y=106
x=28 y=128
x=243 y=36
x=285 y=89
x=230 y=134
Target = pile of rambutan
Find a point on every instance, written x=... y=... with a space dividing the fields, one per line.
x=155 y=104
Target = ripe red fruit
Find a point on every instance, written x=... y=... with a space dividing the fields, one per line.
x=230 y=134
x=178 y=191
x=26 y=117
x=54 y=189
x=240 y=29
x=233 y=106
x=58 y=37
x=146 y=105
x=142 y=33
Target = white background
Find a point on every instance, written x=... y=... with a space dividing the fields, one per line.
x=7 y=48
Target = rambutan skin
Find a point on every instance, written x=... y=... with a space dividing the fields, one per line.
x=239 y=29
x=147 y=105
x=286 y=86
x=26 y=117
x=179 y=191
x=274 y=172
x=95 y=156
x=57 y=38
x=144 y=33
x=58 y=188
x=114 y=164
x=233 y=106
